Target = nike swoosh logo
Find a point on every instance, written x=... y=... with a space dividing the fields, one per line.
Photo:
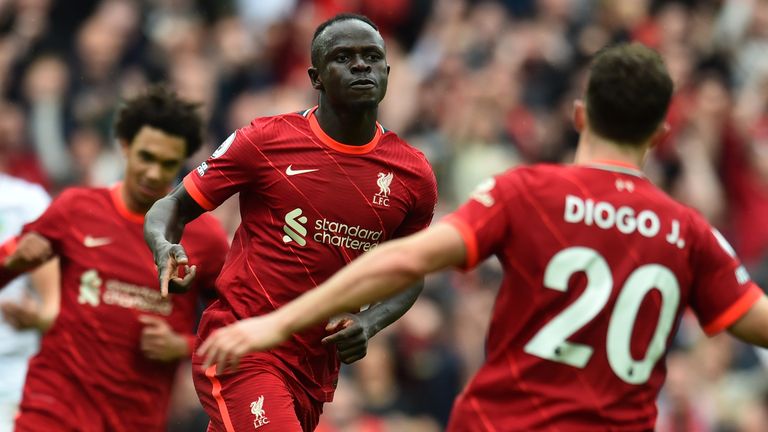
x=92 y=242
x=292 y=172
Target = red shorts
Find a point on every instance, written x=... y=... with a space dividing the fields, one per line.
x=255 y=397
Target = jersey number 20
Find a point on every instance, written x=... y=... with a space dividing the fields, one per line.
x=551 y=341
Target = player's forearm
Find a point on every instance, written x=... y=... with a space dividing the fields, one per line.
x=384 y=313
x=375 y=276
x=162 y=223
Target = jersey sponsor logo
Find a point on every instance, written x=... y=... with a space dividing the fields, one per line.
x=329 y=232
x=294 y=229
x=90 y=288
x=482 y=192
x=383 y=180
x=202 y=169
x=292 y=172
x=92 y=242
x=224 y=146
x=121 y=294
x=257 y=409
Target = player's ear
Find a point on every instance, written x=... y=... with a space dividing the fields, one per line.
x=579 y=115
x=125 y=147
x=314 y=78
x=387 y=69
x=661 y=134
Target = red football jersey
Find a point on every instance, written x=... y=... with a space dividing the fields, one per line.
x=109 y=279
x=599 y=265
x=309 y=205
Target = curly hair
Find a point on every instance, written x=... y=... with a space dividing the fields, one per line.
x=161 y=109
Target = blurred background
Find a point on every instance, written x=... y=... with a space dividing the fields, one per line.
x=479 y=87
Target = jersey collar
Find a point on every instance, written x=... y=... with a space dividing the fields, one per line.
x=117 y=198
x=616 y=166
x=332 y=143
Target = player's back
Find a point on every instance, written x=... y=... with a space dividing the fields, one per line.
x=599 y=266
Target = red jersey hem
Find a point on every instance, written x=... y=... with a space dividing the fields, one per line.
x=470 y=242
x=734 y=311
x=196 y=194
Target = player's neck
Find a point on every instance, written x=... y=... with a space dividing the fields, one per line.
x=130 y=203
x=593 y=148
x=348 y=127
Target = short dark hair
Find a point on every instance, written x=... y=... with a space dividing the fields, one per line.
x=628 y=93
x=162 y=109
x=315 y=46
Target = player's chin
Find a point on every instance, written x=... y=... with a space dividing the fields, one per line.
x=363 y=103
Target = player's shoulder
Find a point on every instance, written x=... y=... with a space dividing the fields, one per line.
x=274 y=125
x=409 y=155
x=79 y=194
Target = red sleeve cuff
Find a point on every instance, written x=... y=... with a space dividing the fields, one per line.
x=734 y=311
x=470 y=241
x=196 y=194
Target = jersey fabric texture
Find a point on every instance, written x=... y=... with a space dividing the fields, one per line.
x=309 y=205
x=20 y=202
x=91 y=357
x=599 y=266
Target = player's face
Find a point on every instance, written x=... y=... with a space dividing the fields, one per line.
x=153 y=161
x=353 y=68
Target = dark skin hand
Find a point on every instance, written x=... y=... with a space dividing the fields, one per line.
x=163 y=226
x=352 y=331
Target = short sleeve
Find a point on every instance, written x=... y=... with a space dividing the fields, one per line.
x=54 y=221
x=482 y=220
x=722 y=290
x=425 y=200
x=226 y=171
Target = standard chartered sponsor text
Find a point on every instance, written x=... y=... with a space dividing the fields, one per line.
x=343 y=235
x=135 y=297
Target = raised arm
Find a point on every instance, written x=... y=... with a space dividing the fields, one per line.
x=163 y=226
x=386 y=270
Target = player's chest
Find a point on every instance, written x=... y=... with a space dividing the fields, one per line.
x=361 y=189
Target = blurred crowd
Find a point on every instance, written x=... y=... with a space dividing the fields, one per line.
x=479 y=87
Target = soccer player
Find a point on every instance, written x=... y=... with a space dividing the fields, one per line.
x=599 y=267
x=23 y=314
x=317 y=189
x=109 y=360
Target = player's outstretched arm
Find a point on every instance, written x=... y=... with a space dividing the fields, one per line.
x=378 y=274
x=753 y=326
x=163 y=226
